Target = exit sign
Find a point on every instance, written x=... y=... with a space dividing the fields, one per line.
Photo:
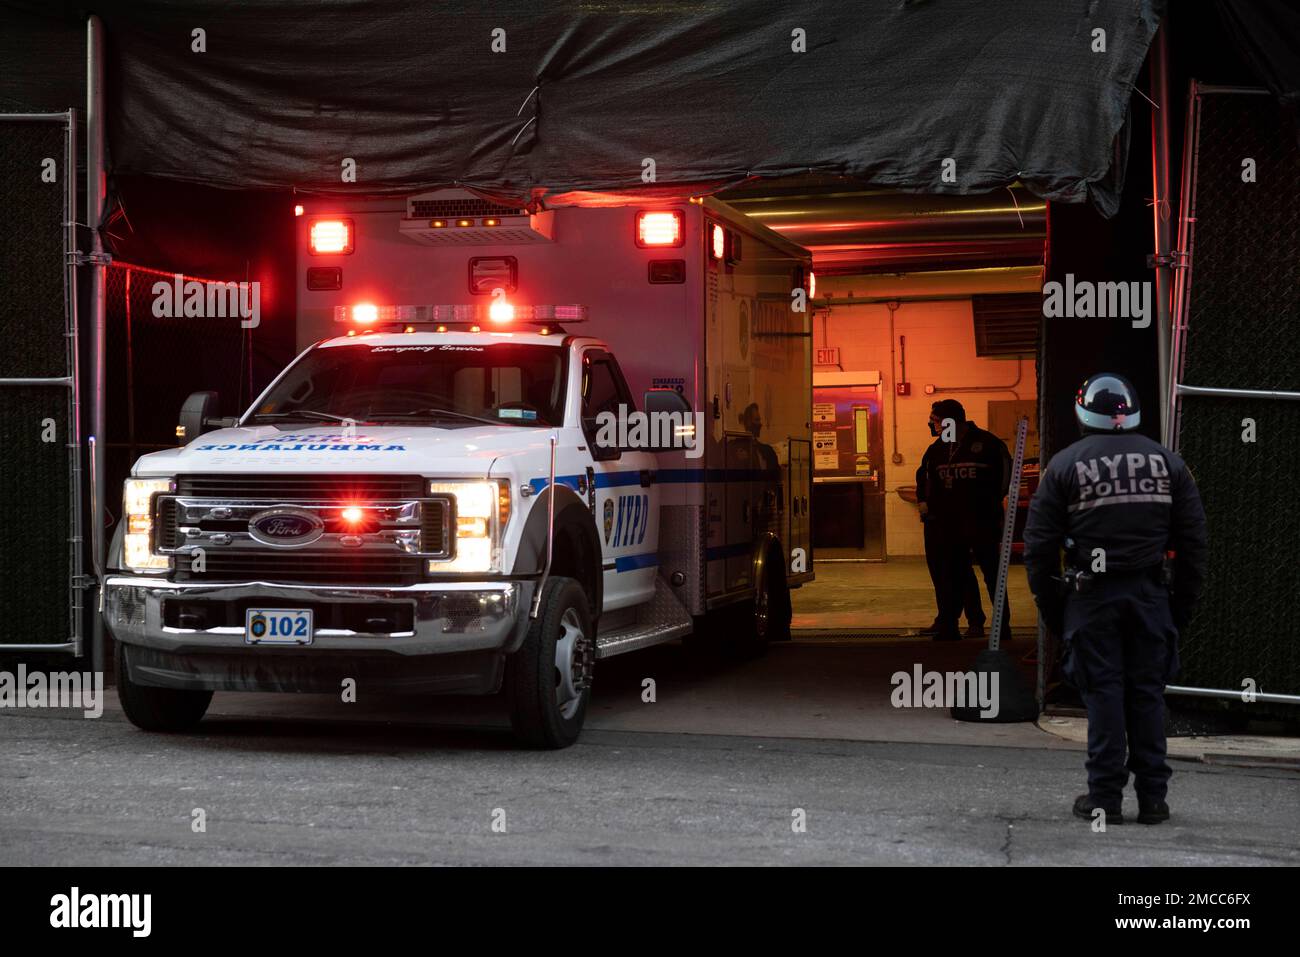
x=828 y=357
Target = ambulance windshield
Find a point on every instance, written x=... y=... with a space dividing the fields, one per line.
x=450 y=384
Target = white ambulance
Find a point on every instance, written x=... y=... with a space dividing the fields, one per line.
x=516 y=442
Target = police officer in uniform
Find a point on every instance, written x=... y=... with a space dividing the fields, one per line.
x=1119 y=503
x=967 y=471
x=935 y=557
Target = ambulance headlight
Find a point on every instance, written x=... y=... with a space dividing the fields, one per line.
x=137 y=511
x=482 y=511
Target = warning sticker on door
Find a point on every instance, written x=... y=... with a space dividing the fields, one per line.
x=826 y=460
x=825 y=442
x=823 y=411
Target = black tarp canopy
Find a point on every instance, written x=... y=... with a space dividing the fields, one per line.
x=581 y=96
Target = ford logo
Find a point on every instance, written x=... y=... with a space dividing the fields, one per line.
x=285 y=527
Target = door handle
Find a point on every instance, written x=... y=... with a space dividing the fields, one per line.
x=647 y=478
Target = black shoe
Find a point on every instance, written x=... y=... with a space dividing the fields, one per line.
x=975 y=631
x=947 y=634
x=1152 y=812
x=1083 y=808
x=930 y=629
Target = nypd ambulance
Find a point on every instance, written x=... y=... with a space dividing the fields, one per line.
x=516 y=441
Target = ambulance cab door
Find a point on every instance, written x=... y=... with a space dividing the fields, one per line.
x=626 y=501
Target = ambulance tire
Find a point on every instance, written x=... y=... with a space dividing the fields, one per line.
x=158 y=709
x=779 y=610
x=767 y=618
x=534 y=687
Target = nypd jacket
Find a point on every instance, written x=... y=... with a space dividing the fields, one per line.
x=964 y=483
x=1127 y=495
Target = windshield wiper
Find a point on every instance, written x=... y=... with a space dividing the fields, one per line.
x=311 y=414
x=431 y=413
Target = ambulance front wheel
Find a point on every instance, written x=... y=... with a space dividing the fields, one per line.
x=548 y=680
x=158 y=709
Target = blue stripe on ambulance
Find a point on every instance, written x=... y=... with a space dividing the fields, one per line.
x=633 y=562
x=603 y=480
x=661 y=477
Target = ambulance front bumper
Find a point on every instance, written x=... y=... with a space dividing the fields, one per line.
x=429 y=618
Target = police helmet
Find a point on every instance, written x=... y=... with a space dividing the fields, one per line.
x=1107 y=402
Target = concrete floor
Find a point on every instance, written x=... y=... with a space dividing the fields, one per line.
x=896 y=595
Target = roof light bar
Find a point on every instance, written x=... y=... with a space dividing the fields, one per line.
x=475 y=312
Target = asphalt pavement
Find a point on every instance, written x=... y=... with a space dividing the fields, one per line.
x=301 y=780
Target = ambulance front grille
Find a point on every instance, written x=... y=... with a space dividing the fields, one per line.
x=242 y=495
x=303 y=567
x=304 y=487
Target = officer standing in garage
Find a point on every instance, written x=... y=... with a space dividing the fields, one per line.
x=1118 y=503
x=935 y=556
x=967 y=471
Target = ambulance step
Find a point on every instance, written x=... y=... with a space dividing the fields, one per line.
x=661 y=619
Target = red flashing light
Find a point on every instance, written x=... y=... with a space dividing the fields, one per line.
x=331 y=237
x=501 y=311
x=298 y=210
x=660 y=228
x=365 y=313
x=353 y=515
x=718 y=241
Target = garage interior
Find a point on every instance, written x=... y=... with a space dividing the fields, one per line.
x=918 y=298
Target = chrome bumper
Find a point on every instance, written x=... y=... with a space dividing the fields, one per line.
x=448 y=617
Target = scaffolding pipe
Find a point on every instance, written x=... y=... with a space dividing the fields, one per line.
x=1158 y=68
x=96 y=190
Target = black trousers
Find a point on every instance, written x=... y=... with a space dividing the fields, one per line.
x=955 y=545
x=1121 y=649
x=935 y=557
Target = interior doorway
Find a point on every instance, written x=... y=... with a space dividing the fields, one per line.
x=848 y=467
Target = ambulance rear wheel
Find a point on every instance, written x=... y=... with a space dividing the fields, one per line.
x=548 y=680
x=158 y=709
x=774 y=612
x=765 y=618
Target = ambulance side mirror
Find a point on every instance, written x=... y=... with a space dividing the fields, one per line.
x=670 y=418
x=197 y=416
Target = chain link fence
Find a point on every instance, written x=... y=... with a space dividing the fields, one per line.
x=1243 y=332
x=40 y=543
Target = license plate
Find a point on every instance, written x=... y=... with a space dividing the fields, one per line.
x=278 y=626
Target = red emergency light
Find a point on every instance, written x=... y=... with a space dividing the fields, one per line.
x=660 y=228
x=500 y=312
x=330 y=237
x=718 y=240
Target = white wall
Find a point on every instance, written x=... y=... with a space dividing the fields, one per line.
x=940 y=351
